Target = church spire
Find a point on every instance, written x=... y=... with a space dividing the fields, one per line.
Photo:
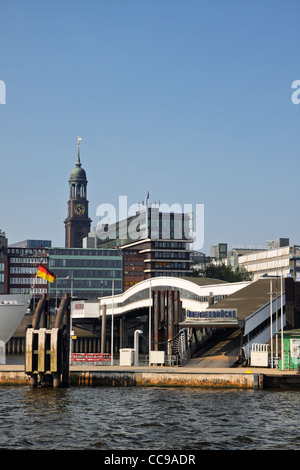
x=78 y=164
x=77 y=223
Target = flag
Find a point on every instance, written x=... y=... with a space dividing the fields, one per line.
x=79 y=138
x=45 y=273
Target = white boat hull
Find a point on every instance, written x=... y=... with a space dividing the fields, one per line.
x=12 y=309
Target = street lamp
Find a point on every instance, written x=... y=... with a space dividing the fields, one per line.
x=149 y=320
x=112 y=324
x=271 y=322
x=281 y=321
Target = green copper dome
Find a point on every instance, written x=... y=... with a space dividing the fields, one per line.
x=78 y=174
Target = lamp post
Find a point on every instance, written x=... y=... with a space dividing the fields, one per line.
x=112 y=324
x=71 y=311
x=150 y=320
x=281 y=322
x=271 y=321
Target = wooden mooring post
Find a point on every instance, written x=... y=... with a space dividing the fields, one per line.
x=47 y=350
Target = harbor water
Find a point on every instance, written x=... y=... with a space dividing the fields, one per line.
x=157 y=418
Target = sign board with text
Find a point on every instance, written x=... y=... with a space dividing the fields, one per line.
x=215 y=316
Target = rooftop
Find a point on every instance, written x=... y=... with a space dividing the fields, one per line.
x=249 y=299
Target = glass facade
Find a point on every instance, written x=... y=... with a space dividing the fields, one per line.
x=85 y=273
x=32 y=244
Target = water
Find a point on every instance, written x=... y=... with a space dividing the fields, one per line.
x=148 y=418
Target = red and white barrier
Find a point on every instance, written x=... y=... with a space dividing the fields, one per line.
x=95 y=359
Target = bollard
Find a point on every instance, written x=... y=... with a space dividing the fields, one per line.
x=47 y=359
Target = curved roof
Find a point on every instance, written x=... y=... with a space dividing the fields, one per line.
x=193 y=292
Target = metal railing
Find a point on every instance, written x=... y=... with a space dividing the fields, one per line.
x=234 y=356
x=95 y=359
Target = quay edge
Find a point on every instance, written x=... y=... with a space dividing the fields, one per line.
x=166 y=379
x=117 y=376
x=140 y=377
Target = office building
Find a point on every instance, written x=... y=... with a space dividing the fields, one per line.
x=23 y=262
x=85 y=273
x=160 y=243
x=283 y=259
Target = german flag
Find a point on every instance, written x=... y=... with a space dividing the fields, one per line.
x=45 y=273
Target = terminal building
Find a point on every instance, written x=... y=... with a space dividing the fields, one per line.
x=167 y=308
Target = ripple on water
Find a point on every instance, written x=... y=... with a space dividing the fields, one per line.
x=148 y=418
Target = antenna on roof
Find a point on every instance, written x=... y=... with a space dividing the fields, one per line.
x=147 y=199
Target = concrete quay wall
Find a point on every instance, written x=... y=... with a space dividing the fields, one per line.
x=141 y=377
x=165 y=379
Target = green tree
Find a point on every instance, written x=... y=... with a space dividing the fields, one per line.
x=224 y=273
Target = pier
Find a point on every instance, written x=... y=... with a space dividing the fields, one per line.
x=212 y=366
x=162 y=376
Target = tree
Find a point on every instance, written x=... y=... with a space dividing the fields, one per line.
x=224 y=273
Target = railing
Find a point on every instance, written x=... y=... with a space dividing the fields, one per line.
x=95 y=359
x=234 y=356
x=184 y=357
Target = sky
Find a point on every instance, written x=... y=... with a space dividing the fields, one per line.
x=189 y=100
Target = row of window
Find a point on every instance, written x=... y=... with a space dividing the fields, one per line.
x=27 y=280
x=171 y=265
x=134 y=273
x=171 y=273
x=82 y=252
x=171 y=254
x=133 y=263
x=25 y=251
x=24 y=290
x=85 y=263
x=24 y=270
x=87 y=284
x=29 y=260
x=89 y=273
x=179 y=245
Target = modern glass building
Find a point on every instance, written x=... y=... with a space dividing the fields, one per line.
x=32 y=244
x=85 y=273
x=161 y=241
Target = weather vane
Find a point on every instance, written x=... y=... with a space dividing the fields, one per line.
x=79 y=138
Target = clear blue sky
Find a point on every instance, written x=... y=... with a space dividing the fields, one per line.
x=190 y=100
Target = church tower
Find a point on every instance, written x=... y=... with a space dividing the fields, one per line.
x=78 y=223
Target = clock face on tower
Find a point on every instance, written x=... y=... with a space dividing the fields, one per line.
x=79 y=209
